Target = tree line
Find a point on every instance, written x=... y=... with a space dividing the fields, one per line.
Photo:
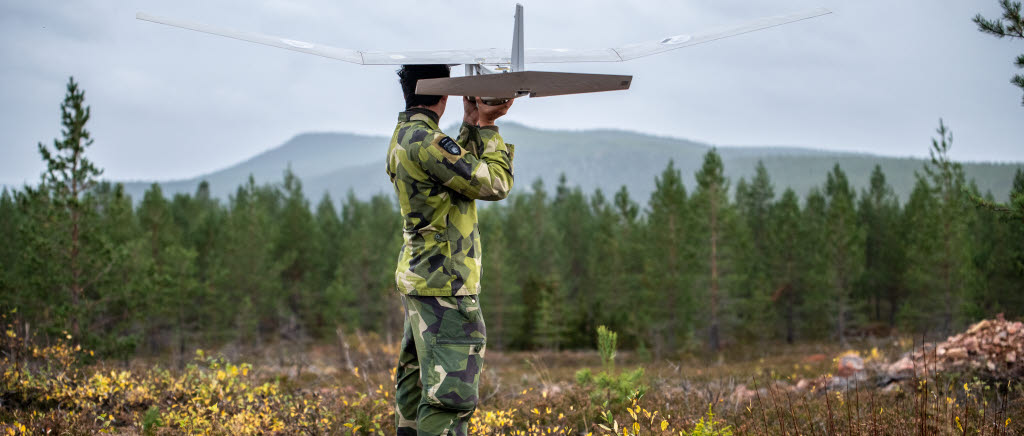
x=680 y=271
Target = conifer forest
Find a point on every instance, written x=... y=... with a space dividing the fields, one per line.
x=714 y=306
x=732 y=261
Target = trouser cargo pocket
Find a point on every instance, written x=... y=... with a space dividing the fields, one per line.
x=453 y=380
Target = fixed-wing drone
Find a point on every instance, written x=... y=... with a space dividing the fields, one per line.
x=496 y=74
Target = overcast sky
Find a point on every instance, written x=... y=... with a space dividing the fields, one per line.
x=874 y=76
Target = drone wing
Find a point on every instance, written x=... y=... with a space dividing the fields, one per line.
x=362 y=57
x=490 y=56
x=343 y=54
x=633 y=51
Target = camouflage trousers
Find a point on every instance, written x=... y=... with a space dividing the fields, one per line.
x=439 y=365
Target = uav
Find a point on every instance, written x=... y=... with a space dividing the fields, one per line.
x=500 y=74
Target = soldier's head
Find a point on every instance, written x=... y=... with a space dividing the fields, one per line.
x=408 y=75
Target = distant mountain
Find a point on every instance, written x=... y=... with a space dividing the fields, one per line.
x=607 y=159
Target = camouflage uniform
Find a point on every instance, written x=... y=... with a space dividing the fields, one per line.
x=437 y=181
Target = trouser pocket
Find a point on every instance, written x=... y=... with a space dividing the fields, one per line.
x=453 y=380
x=456 y=342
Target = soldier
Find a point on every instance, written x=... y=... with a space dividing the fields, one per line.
x=437 y=180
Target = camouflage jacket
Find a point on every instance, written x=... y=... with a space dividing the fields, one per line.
x=437 y=180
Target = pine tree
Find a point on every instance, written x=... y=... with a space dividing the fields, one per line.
x=637 y=317
x=572 y=220
x=940 y=270
x=499 y=290
x=1011 y=24
x=671 y=259
x=174 y=292
x=368 y=260
x=1017 y=226
x=531 y=229
x=158 y=222
x=994 y=253
x=9 y=221
x=948 y=184
x=920 y=224
x=202 y=221
x=879 y=215
x=754 y=204
x=814 y=278
x=69 y=174
x=120 y=317
x=611 y=262
x=296 y=247
x=328 y=225
x=251 y=277
x=715 y=236
x=844 y=249
x=998 y=258
x=39 y=274
x=784 y=252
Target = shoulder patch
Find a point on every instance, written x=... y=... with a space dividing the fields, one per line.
x=450 y=146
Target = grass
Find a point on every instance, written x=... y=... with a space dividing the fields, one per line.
x=287 y=390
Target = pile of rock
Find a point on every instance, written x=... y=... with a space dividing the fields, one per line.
x=994 y=346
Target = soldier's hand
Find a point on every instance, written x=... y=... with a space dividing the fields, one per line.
x=490 y=113
x=471 y=114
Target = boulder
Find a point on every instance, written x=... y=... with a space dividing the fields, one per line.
x=849 y=364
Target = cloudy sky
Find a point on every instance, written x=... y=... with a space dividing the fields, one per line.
x=875 y=76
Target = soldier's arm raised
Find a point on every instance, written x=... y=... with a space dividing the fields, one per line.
x=469 y=133
x=487 y=177
x=469 y=138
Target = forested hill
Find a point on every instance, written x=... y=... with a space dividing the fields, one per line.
x=606 y=159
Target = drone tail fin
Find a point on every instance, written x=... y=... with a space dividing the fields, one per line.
x=517 y=41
